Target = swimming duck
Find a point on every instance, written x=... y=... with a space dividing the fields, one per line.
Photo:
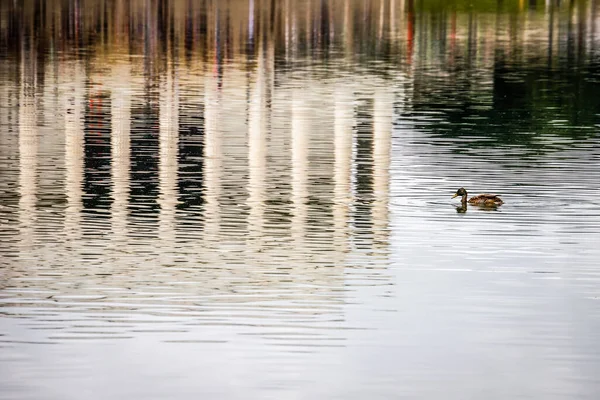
x=486 y=200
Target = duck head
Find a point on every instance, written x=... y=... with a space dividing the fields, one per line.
x=461 y=192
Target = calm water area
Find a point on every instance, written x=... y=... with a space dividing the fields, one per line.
x=251 y=199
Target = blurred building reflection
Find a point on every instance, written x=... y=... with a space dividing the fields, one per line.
x=250 y=131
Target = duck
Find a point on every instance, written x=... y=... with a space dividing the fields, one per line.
x=486 y=200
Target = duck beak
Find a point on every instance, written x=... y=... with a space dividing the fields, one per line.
x=456 y=195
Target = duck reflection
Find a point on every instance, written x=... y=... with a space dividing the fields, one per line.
x=462 y=208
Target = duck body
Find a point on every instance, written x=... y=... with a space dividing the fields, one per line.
x=485 y=200
x=489 y=200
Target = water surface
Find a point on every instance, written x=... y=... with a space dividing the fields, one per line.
x=252 y=199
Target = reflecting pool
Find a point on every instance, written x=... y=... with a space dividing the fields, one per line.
x=251 y=199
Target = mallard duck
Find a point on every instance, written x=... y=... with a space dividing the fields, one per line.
x=486 y=200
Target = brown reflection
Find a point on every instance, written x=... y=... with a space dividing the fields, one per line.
x=390 y=30
x=224 y=31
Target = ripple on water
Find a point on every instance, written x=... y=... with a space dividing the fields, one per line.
x=269 y=209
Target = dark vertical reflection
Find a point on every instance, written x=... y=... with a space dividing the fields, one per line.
x=97 y=156
x=410 y=30
x=364 y=171
x=11 y=34
x=472 y=41
x=145 y=132
x=593 y=50
x=324 y=27
x=144 y=160
x=509 y=93
x=550 y=33
x=218 y=48
x=191 y=161
x=188 y=41
x=581 y=33
x=9 y=111
x=571 y=34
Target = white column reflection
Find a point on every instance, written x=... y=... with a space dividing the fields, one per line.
x=28 y=150
x=343 y=139
x=257 y=149
x=213 y=164
x=287 y=29
x=381 y=22
x=120 y=147
x=168 y=144
x=392 y=21
x=50 y=147
x=300 y=149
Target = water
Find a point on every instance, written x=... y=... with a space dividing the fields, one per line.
x=252 y=199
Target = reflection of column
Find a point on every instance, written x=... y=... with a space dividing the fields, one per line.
x=381 y=23
x=286 y=8
x=257 y=147
x=300 y=131
x=392 y=12
x=213 y=155
x=121 y=148
x=308 y=28
x=344 y=122
x=410 y=30
x=74 y=92
x=51 y=146
x=167 y=175
x=348 y=30
x=294 y=35
x=382 y=140
x=28 y=144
